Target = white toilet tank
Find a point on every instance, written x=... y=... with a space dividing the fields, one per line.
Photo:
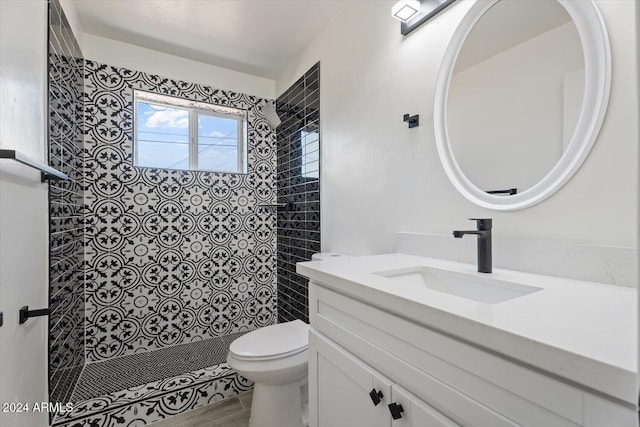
x=326 y=255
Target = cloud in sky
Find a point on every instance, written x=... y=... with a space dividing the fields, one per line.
x=168 y=118
x=217 y=134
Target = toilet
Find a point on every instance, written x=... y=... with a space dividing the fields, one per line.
x=275 y=359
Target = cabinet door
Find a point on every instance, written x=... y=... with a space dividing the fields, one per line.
x=340 y=387
x=416 y=413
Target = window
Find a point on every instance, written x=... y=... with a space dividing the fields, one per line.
x=174 y=133
x=310 y=154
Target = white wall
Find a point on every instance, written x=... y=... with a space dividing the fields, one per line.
x=24 y=240
x=112 y=52
x=379 y=177
x=71 y=13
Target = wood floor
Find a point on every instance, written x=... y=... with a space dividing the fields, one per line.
x=231 y=412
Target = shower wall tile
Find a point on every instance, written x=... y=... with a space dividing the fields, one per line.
x=298 y=183
x=66 y=207
x=173 y=256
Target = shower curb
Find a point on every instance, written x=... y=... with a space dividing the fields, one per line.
x=145 y=407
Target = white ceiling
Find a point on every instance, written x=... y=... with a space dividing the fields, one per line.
x=259 y=37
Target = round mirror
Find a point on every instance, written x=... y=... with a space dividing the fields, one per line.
x=520 y=98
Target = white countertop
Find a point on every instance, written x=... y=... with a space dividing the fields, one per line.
x=581 y=331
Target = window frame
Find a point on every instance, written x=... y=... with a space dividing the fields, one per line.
x=195 y=109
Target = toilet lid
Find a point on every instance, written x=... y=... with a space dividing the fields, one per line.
x=272 y=341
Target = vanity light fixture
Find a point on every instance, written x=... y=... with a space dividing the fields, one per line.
x=415 y=13
x=405 y=9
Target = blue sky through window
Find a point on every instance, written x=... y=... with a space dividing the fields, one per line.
x=163 y=139
x=217 y=143
x=163 y=136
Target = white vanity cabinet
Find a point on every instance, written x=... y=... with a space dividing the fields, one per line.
x=343 y=387
x=416 y=413
x=348 y=393
x=356 y=349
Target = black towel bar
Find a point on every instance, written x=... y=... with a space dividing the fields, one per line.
x=26 y=314
x=48 y=173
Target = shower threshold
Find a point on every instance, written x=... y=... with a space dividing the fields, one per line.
x=152 y=386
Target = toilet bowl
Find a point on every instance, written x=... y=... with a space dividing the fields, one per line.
x=275 y=359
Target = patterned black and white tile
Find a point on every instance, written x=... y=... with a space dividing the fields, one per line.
x=141 y=405
x=66 y=206
x=102 y=378
x=138 y=389
x=172 y=256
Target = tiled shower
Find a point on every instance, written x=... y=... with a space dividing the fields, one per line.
x=154 y=272
x=66 y=208
x=172 y=256
x=299 y=189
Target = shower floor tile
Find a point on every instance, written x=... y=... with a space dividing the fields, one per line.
x=124 y=372
x=153 y=386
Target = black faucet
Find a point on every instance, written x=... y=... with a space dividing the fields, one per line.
x=484 y=242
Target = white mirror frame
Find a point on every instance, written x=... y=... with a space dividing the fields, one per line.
x=597 y=59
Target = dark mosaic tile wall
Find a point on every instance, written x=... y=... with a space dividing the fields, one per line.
x=298 y=184
x=172 y=256
x=66 y=208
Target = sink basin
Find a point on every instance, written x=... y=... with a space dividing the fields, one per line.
x=477 y=288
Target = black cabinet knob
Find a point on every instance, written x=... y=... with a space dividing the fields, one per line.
x=396 y=410
x=376 y=396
